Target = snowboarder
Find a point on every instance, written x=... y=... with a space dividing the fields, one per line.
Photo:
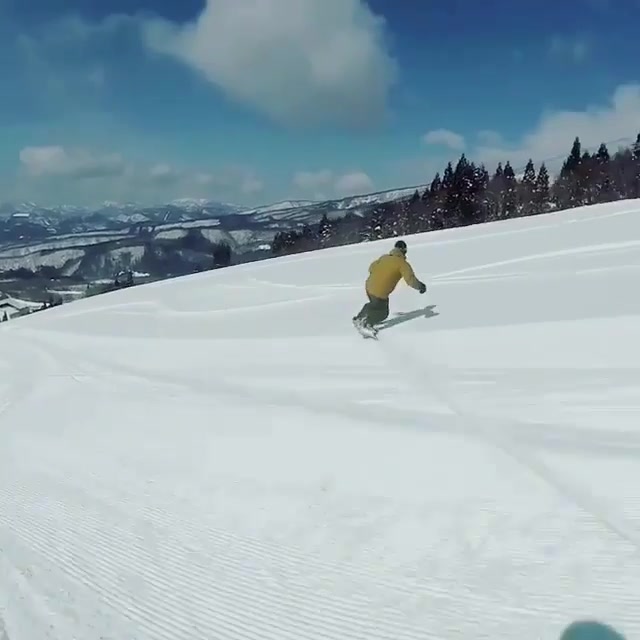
x=384 y=275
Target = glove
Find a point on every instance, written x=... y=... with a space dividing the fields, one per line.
x=423 y=288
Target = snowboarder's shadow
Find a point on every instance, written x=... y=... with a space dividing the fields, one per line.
x=590 y=630
x=407 y=316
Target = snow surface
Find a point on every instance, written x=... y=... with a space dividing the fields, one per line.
x=11 y=306
x=284 y=205
x=312 y=210
x=222 y=456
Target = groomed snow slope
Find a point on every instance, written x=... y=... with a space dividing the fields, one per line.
x=223 y=457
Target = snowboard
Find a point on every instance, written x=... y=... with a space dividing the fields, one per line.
x=366 y=333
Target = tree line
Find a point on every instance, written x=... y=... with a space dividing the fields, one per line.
x=468 y=194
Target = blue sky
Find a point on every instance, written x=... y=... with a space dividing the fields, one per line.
x=253 y=101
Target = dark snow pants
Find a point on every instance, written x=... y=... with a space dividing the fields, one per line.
x=375 y=311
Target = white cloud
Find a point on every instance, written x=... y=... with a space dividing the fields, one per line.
x=575 y=48
x=232 y=182
x=163 y=173
x=59 y=161
x=61 y=174
x=230 y=179
x=617 y=122
x=203 y=179
x=355 y=183
x=445 y=138
x=325 y=184
x=490 y=137
x=251 y=185
x=300 y=62
x=313 y=180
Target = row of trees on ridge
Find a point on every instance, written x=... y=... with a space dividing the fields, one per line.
x=467 y=194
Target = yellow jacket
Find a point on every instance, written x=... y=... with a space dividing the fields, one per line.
x=385 y=273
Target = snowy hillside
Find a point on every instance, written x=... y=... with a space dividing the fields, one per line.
x=277 y=207
x=306 y=211
x=106 y=252
x=223 y=456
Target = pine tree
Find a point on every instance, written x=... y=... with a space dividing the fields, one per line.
x=374 y=229
x=575 y=156
x=222 y=255
x=635 y=186
x=510 y=193
x=622 y=172
x=455 y=192
x=494 y=194
x=285 y=242
x=447 y=177
x=569 y=188
x=307 y=240
x=435 y=214
x=325 y=231
x=527 y=191
x=483 y=199
x=584 y=191
x=466 y=198
x=411 y=215
x=600 y=184
x=542 y=198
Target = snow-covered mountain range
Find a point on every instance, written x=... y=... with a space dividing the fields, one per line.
x=63 y=219
x=35 y=221
x=96 y=240
x=311 y=211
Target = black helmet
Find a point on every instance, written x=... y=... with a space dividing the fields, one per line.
x=402 y=245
